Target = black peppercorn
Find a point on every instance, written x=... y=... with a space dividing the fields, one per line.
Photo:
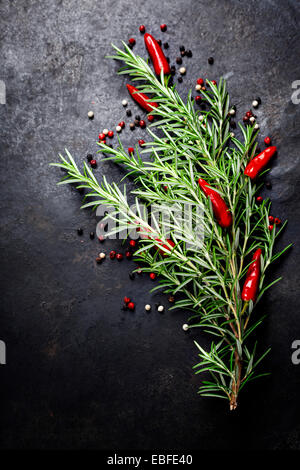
x=258 y=100
x=180 y=79
x=159 y=41
x=168 y=59
x=138 y=117
x=92 y=235
x=182 y=48
x=131 y=126
x=89 y=157
x=178 y=60
x=189 y=53
x=182 y=53
x=128 y=112
x=79 y=231
x=131 y=276
x=136 y=122
x=166 y=45
x=268 y=185
x=173 y=70
x=210 y=60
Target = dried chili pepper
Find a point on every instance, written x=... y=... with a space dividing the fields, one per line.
x=141 y=99
x=251 y=284
x=220 y=209
x=259 y=162
x=157 y=56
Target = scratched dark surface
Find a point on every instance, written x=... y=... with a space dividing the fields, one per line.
x=82 y=373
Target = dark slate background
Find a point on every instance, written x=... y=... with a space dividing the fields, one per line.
x=80 y=372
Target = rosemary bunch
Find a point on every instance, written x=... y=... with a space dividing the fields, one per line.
x=190 y=144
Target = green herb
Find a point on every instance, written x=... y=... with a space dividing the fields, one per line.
x=208 y=275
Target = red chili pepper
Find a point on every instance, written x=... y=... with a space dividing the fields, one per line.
x=167 y=246
x=251 y=284
x=259 y=162
x=221 y=211
x=157 y=56
x=141 y=98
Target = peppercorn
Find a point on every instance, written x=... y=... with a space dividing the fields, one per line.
x=92 y=235
x=159 y=42
x=138 y=117
x=142 y=29
x=173 y=70
x=110 y=134
x=90 y=115
x=259 y=199
x=119 y=256
x=200 y=81
x=214 y=82
x=150 y=118
x=131 y=41
x=152 y=276
x=89 y=157
x=122 y=124
x=267 y=140
x=101 y=238
x=198 y=99
x=189 y=53
x=141 y=142
x=180 y=79
x=178 y=60
x=163 y=27
x=271 y=219
x=245 y=119
x=80 y=231
x=271 y=227
x=131 y=276
x=185 y=327
x=93 y=163
x=171 y=299
x=112 y=254
x=182 y=70
x=128 y=254
x=210 y=60
x=277 y=221
x=268 y=185
x=127 y=300
x=131 y=306
x=182 y=48
x=160 y=308
x=132 y=243
x=168 y=59
x=130 y=150
x=142 y=124
x=102 y=136
x=118 y=128
x=166 y=45
x=132 y=126
x=182 y=53
x=128 y=112
x=98 y=259
x=136 y=122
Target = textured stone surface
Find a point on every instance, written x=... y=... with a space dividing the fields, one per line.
x=80 y=372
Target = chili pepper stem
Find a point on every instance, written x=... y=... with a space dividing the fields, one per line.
x=244 y=307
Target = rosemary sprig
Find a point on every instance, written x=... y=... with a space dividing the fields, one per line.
x=208 y=275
